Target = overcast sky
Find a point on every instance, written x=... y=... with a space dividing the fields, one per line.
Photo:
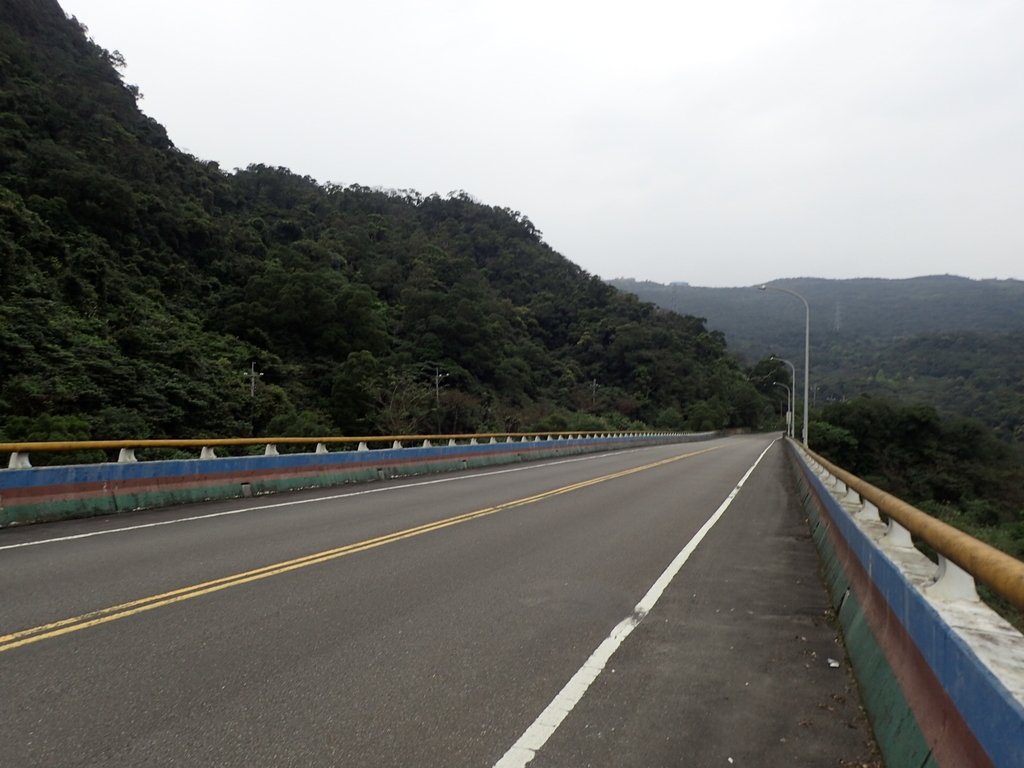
x=724 y=142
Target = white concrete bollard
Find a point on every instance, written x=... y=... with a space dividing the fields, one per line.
x=19 y=461
x=952 y=583
x=868 y=512
x=897 y=536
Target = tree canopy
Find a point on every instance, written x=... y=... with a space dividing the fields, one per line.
x=139 y=286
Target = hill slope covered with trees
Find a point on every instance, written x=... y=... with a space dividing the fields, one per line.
x=139 y=285
x=948 y=341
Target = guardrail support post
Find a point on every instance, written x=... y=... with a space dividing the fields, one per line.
x=451 y=441
x=126 y=456
x=321 y=448
x=897 y=536
x=868 y=512
x=952 y=583
x=270 y=450
x=19 y=461
x=850 y=501
x=836 y=486
x=396 y=444
x=363 y=446
x=207 y=453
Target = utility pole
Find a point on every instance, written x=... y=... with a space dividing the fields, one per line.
x=252 y=375
x=438 y=376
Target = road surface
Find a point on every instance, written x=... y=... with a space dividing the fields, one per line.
x=473 y=619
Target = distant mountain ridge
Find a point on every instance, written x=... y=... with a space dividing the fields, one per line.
x=949 y=341
x=861 y=306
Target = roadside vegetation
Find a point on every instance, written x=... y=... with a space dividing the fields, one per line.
x=954 y=469
x=147 y=293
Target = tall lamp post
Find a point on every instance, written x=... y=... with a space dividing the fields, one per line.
x=792 y=370
x=807 y=347
x=789 y=407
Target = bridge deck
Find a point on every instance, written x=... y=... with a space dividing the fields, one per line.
x=431 y=621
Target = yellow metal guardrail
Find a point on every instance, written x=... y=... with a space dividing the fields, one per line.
x=1002 y=572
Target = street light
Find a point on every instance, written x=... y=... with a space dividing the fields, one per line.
x=792 y=370
x=789 y=407
x=807 y=347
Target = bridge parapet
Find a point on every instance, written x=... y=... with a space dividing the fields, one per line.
x=19 y=452
x=38 y=494
x=941 y=674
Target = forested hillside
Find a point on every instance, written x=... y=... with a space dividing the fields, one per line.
x=947 y=341
x=139 y=286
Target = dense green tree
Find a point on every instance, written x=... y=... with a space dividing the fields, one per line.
x=953 y=467
x=138 y=285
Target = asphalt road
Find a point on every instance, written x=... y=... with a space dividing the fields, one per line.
x=431 y=622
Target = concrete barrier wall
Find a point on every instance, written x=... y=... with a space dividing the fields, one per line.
x=40 y=494
x=943 y=681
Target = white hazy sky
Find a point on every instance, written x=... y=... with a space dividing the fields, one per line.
x=723 y=142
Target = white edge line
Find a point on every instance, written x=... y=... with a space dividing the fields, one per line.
x=537 y=735
x=296 y=502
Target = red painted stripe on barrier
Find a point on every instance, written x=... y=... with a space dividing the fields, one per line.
x=951 y=740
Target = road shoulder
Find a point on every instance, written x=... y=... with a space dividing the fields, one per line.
x=734 y=664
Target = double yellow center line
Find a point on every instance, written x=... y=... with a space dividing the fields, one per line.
x=106 y=615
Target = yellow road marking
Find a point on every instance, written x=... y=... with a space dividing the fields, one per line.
x=113 y=613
